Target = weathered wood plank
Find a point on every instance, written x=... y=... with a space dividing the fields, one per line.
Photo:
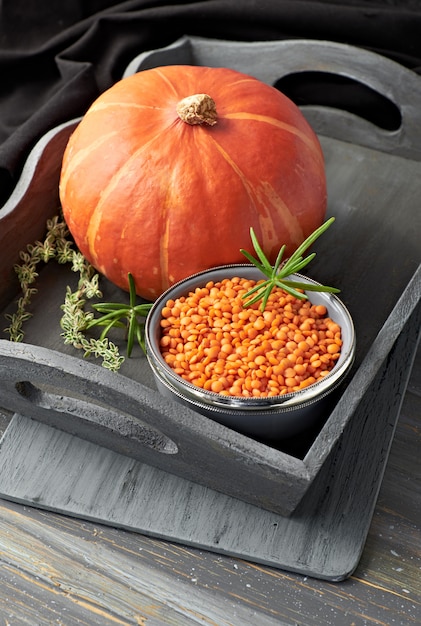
x=54 y=470
x=55 y=569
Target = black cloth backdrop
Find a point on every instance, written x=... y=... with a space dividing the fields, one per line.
x=57 y=57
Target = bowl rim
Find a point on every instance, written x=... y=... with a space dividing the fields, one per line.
x=212 y=399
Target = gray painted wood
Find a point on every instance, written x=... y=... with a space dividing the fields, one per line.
x=33 y=201
x=60 y=569
x=125 y=415
x=342 y=470
x=325 y=536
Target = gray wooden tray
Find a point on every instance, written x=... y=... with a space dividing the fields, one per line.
x=176 y=474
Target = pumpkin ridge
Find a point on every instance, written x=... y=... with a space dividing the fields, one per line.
x=77 y=159
x=235 y=167
x=265 y=190
x=290 y=220
x=163 y=256
x=101 y=106
x=95 y=219
x=244 y=115
x=166 y=80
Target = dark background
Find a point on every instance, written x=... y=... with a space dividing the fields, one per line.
x=55 y=58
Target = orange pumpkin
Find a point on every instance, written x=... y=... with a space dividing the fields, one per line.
x=169 y=168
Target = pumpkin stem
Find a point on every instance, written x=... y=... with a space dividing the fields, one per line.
x=197 y=109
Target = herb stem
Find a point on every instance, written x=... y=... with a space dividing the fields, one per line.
x=278 y=274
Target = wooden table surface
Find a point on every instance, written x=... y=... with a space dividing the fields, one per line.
x=59 y=570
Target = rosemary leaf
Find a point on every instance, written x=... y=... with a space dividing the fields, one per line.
x=278 y=274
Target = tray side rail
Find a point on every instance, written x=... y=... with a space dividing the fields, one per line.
x=115 y=412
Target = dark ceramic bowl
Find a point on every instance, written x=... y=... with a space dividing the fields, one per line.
x=267 y=418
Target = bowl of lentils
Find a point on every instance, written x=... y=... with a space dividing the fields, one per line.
x=260 y=361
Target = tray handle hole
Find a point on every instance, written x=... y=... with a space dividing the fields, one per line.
x=341 y=92
x=50 y=398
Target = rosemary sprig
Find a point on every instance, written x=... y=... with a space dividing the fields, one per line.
x=277 y=275
x=133 y=314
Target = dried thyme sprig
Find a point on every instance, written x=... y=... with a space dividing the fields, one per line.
x=55 y=246
x=59 y=246
x=76 y=320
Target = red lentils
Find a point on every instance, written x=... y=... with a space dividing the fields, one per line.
x=213 y=341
